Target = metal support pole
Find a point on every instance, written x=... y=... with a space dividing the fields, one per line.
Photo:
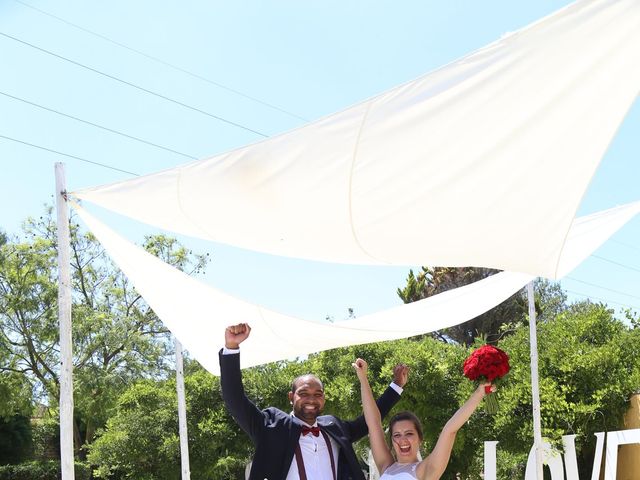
x=182 y=413
x=535 y=387
x=64 y=319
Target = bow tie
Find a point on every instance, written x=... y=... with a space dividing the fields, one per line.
x=315 y=431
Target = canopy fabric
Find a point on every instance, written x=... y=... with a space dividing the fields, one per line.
x=499 y=146
x=197 y=314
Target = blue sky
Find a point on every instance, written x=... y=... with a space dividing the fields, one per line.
x=308 y=59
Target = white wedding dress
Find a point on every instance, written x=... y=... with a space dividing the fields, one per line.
x=400 y=471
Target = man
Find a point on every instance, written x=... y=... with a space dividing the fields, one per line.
x=303 y=445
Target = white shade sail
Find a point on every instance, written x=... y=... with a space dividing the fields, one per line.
x=469 y=165
x=197 y=314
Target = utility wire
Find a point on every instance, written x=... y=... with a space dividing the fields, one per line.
x=602 y=299
x=603 y=288
x=200 y=77
x=633 y=247
x=68 y=155
x=616 y=263
x=163 y=62
x=133 y=85
x=96 y=125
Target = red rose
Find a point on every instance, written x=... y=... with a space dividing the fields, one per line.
x=487 y=363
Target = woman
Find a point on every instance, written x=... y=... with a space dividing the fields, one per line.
x=406 y=436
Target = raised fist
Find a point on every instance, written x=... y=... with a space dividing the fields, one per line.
x=236 y=334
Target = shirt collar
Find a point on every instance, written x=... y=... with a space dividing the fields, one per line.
x=302 y=422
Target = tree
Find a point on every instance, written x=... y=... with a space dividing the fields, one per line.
x=116 y=336
x=141 y=440
x=431 y=281
x=15 y=390
x=493 y=324
x=15 y=439
x=142 y=435
x=588 y=369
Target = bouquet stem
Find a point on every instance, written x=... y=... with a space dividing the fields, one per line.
x=491 y=403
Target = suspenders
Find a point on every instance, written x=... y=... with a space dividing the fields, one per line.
x=301 y=471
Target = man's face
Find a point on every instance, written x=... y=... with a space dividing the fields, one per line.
x=307 y=399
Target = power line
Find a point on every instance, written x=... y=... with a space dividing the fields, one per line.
x=602 y=299
x=633 y=247
x=603 y=288
x=616 y=263
x=68 y=155
x=117 y=132
x=163 y=62
x=133 y=85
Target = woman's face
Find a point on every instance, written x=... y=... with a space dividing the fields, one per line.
x=406 y=442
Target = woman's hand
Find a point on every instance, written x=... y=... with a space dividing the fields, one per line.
x=360 y=367
x=486 y=388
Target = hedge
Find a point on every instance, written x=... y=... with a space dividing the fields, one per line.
x=49 y=470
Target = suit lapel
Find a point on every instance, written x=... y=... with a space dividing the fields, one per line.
x=295 y=427
x=331 y=427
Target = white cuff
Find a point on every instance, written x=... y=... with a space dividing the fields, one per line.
x=231 y=351
x=397 y=388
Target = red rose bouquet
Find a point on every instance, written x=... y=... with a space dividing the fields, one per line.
x=487 y=364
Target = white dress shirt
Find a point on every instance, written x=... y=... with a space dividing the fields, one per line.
x=315 y=455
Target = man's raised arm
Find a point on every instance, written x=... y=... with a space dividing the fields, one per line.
x=244 y=412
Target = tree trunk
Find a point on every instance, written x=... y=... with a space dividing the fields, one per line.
x=77 y=442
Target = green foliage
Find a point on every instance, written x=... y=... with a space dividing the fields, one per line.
x=141 y=440
x=49 y=470
x=432 y=281
x=15 y=439
x=27 y=299
x=15 y=393
x=117 y=338
x=588 y=368
x=550 y=300
x=45 y=433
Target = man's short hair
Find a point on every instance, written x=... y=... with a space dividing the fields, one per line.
x=294 y=384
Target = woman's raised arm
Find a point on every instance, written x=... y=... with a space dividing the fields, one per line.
x=432 y=467
x=381 y=454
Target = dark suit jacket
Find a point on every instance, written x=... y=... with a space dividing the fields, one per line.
x=275 y=433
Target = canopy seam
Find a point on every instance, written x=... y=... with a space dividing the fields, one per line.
x=353 y=162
